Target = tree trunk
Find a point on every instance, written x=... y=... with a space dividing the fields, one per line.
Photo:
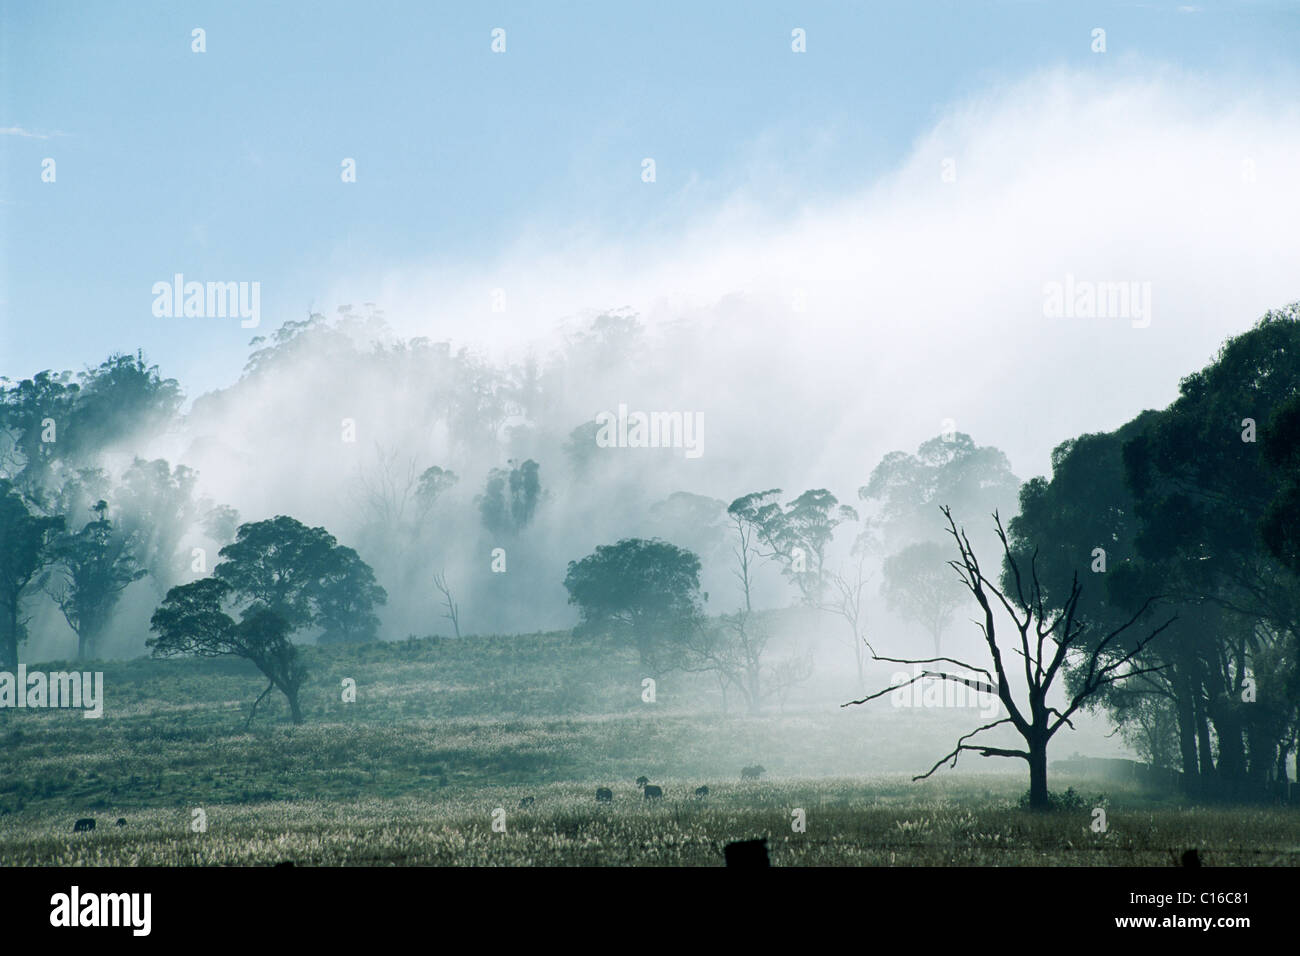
x=1186 y=731
x=1232 y=753
x=1038 y=798
x=1203 y=745
x=295 y=711
x=9 y=645
x=86 y=643
x=253 y=711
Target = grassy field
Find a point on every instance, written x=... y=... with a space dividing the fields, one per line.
x=443 y=733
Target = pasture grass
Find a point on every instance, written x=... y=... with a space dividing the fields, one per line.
x=444 y=733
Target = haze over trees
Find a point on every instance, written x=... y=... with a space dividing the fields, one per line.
x=920 y=586
x=432 y=465
x=27 y=547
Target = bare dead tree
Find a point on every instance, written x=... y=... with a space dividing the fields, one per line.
x=1048 y=643
x=847 y=601
x=734 y=649
x=788 y=673
x=387 y=490
x=453 y=609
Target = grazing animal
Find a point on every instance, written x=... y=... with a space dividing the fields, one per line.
x=747 y=853
x=752 y=773
x=1191 y=858
x=642 y=781
x=701 y=792
x=121 y=821
x=283 y=864
x=525 y=802
x=85 y=823
x=604 y=795
x=652 y=792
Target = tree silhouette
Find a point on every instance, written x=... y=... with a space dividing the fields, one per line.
x=645 y=592
x=94 y=566
x=192 y=620
x=27 y=548
x=1047 y=641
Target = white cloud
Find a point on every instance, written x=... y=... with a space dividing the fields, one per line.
x=26 y=133
x=923 y=299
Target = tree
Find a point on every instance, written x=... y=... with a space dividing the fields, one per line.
x=388 y=489
x=193 y=620
x=449 y=602
x=304 y=576
x=646 y=592
x=510 y=498
x=220 y=523
x=808 y=526
x=1279 y=528
x=947 y=469
x=848 y=600
x=696 y=522
x=761 y=521
x=1204 y=488
x=1047 y=641
x=124 y=398
x=26 y=542
x=735 y=648
x=797 y=535
x=754 y=519
x=1086 y=513
x=919 y=585
x=94 y=566
x=1278 y=667
x=433 y=484
x=346 y=599
x=1148 y=724
x=34 y=416
x=155 y=503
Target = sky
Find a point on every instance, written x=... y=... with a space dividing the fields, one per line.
x=781 y=177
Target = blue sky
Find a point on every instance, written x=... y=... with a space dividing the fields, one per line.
x=225 y=165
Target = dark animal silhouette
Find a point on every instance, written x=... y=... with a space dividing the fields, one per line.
x=1191 y=858
x=752 y=773
x=604 y=795
x=642 y=781
x=282 y=864
x=652 y=792
x=747 y=853
x=121 y=821
x=85 y=823
x=701 y=791
x=525 y=802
